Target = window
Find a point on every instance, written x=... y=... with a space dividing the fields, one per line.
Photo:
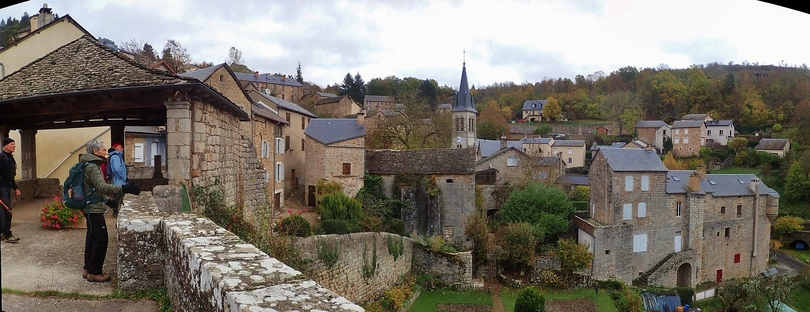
x=607 y=251
x=677 y=131
x=685 y=131
x=722 y=209
x=685 y=140
x=639 y=242
x=645 y=183
x=721 y=132
x=288 y=117
x=677 y=140
x=279 y=171
x=556 y=152
x=303 y=123
x=221 y=78
x=665 y=132
x=287 y=142
x=739 y=210
x=708 y=132
x=137 y=152
x=736 y=258
x=628 y=183
x=347 y=168
x=642 y=210
x=728 y=231
x=265 y=149
x=570 y=160
x=570 y=151
x=461 y=126
x=280 y=146
x=512 y=161
x=627 y=212
x=678 y=209
x=302 y=145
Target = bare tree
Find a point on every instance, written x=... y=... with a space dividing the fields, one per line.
x=176 y=56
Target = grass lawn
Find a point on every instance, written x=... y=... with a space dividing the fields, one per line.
x=603 y=301
x=428 y=300
x=803 y=255
x=586 y=122
x=800 y=300
x=736 y=170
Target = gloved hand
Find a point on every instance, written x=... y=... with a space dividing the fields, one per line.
x=131 y=189
x=112 y=204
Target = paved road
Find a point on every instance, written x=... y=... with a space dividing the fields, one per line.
x=789 y=263
x=52 y=260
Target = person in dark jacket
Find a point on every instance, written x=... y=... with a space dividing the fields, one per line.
x=8 y=169
x=95 y=244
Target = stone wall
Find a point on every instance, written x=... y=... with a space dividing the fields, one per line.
x=206 y=268
x=252 y=183
x=356 y=275
x=264 y=130
x=442 y=215
x=454 y=269
x=37 y=188
x=144 y=172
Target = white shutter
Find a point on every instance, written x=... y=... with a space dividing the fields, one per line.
x=642 y=209
x=627 y=214
x=640 y=243
x=280 y=146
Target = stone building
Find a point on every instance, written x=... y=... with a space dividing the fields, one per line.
x=336 y=153
x=336 y=107
x=438 y=184
x=774 y=146
x=533 y=110
x=650 y=225
x=294 y=138
x=281 y=87
x=378 y=103
x=654 y=132
x=464 y=115
x=572 y=152
x=688 y=136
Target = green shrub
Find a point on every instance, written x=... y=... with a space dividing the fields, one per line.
x=788 y=224
x=328 y=252
x=530 y=300
x=341 y=207
x=371 y=224
x=294 y=225
x=339 y=227
x=395 y=226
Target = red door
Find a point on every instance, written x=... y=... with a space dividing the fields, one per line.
x=719 y=276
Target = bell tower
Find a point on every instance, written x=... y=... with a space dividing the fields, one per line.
x=465 y=117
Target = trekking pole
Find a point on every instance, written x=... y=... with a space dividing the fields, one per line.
x=4 y=206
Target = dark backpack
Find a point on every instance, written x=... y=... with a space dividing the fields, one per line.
x=73 y=193
x=106 y=169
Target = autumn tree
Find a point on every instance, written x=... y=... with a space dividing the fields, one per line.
x=552 y=109
x=142 y=51
x=176 y=56
x=629 y=118
x=412 y=127
x=517 y=247
x=491 y=124
x=572 y=255
x=429 y=93
x=738 y=144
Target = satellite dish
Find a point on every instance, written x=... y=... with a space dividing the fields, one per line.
x=267 y=91
x=458 y=139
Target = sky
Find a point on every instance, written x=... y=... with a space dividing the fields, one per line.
x=501 y=41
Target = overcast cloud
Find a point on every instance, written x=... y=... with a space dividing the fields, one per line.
x=517 y=41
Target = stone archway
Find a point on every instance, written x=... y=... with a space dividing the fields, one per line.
x=684 y=274
x=799 y=244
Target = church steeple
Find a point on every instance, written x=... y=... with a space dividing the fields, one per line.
x=464 y=114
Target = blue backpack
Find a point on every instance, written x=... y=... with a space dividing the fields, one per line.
x=73 y=194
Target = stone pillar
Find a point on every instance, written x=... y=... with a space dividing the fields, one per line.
x=116 y=135
x=178 y=141
x=28 y=152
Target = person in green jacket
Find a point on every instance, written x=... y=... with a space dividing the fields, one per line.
x=95 y=244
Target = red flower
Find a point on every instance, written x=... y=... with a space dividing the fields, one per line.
x=57 y=226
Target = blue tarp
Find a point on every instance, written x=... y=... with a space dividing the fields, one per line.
x=669 y=303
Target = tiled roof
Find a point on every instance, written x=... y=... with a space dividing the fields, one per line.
x=700 y=117
x=267 y=78
x=325 y=94
x=534 y=104
x=772 y=144
x=624 y=159
x=720 y=185
x=535 y=140
x=687 y=124
x=331 y=130
x=719 y=123
x=574 y=179
x=446 y=161
x=203 y=73
x=332 y=99
x=499 y=152
x=262 y=110
x=284 y=104
x=573 y=143
x=377 y=98
x=651 y=124
x=84 y=64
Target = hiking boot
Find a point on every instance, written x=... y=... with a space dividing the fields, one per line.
x=11 y=239
x=84 y=274
x=98 y=278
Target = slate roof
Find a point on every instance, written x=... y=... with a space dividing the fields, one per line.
x=268 y=78
x=333 y=130
x=445 y=106
x=443 y=161
x=624 y=159
x=719 y=123
x=203 y=73
x=515 y=144
x=464 y=101
x=687 y=124
x=377 y=98
x=651 y=124
x=700 y=117
x=548 y=161
x=772 y=144
x=573 y=143
x=331 y=99
x=82 y=65
x=488 y=147
x=325 y=94
x=638 y=143
x=535 y=140
x=574 y=179
x=499 y=152
x=534 y=104
x=724 y=184
x=284 y=104
x=262 y=110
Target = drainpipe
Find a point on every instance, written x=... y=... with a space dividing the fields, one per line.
x=755 y=187
x=73 y=152
x=2 y=71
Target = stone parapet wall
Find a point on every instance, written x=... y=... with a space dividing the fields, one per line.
x=454 y=269
x=206 y=268
x=37 y=188
x=352 y=275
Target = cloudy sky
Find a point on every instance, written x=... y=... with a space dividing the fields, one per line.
x=517 y=41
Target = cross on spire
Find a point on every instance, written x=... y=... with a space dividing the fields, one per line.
x=464 y=57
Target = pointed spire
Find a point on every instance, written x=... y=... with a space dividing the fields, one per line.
x=464 y=100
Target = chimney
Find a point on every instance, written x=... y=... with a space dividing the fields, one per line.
x=42 y=18
x=648 y=148
x=361 y=118
x=755 y=186
x=694 y=182
x=256 y=74
x=701 y=170
x=503 y=143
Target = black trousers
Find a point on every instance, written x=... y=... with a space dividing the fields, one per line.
x=95 y=243
x=5 y=217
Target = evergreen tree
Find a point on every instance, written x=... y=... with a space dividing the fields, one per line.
x=346 y=86
x=796 y=184
x=358 y=89
x=298 y=76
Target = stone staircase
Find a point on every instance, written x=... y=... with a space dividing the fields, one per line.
x=644 y=278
